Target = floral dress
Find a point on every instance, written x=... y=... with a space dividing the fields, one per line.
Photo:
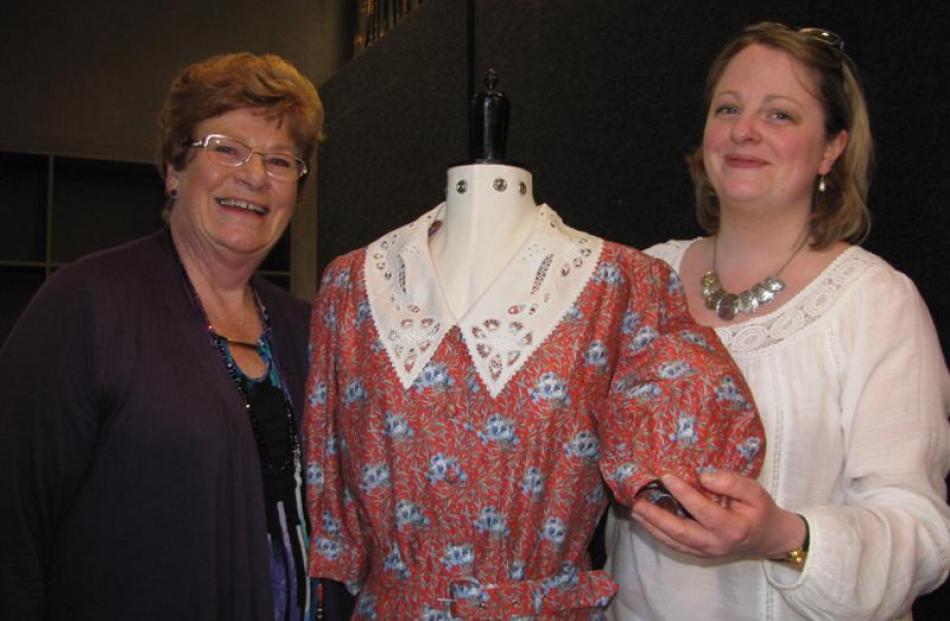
x=458 y=466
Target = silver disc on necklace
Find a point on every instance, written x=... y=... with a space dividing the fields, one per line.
x=748 y=303
x=773 y=284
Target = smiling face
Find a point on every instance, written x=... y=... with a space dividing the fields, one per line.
x=235 y=213
x=765 y=142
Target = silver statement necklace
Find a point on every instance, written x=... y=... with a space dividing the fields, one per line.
x=727 y=305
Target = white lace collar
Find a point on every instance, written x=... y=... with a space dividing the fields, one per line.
x=501 y=330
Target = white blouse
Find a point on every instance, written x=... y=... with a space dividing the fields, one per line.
x=854 y=394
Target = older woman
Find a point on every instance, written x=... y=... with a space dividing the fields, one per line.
x=150 y=456
x=847 y=519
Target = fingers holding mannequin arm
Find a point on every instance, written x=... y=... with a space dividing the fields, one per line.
x=747 y=523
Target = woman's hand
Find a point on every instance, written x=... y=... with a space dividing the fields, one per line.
x=750 y=523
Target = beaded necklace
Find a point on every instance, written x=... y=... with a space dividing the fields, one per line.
x=220 y=343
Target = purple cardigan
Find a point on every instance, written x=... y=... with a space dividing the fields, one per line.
x=130 y=485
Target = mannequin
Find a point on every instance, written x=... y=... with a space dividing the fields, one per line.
x=483 y=374
x=489 y=207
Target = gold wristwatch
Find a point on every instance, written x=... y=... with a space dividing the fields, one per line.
x=796 y=557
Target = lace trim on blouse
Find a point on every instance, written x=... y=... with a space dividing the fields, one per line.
x=806 y=307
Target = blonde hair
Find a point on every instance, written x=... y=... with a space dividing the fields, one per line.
x=840 y=212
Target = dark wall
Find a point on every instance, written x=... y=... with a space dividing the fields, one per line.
x=87 y=78
x=606 y=101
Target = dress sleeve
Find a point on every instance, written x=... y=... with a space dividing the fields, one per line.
x=49 y=419
x=337 y=548
x=677 y=403
x=890 y=539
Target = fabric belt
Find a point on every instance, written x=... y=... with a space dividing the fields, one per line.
x=471 y=599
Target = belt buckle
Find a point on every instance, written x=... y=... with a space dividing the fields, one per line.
x=467 y=596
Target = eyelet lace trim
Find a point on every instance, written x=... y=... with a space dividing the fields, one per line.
x=505 y=326
x=805 y=308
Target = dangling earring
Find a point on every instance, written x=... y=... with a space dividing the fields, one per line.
x=821 y=183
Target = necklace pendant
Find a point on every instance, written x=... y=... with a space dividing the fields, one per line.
x=727 y=306
x=748 y=303
x=773 y=284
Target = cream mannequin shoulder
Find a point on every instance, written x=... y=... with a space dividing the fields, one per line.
x=489 y=213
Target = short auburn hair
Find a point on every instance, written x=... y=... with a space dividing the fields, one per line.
x=220 y=84
x=840 y=212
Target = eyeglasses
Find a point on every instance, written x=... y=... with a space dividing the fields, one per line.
x=231 y=152
x=825 y=36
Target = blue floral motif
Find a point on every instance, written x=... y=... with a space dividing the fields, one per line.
x=363 y=312
x=674 y=369
x=355 y=391
x=396 y=427
x=335 y=444
x=631 y=319
x=443 y=467
x=623 y=472
x=675 y=285
x=550 y=388
x=347 y=496
x=331 y=525
x=433 y=614
x=574 y=313
x=434 y=375
x=516 y=571
x=585 y=445
x=472 y=382
x=329 y=548
x=643 y=338
x=498 y=429
x=319 y=395
x=393 y=562
x=696 y=339
x=567 y=579
x=377 y=346
x=491 y=522
x=554 y=530
x=342 y=278
x=409 y=514
x=728 y=391
x=469 y=590
x=329 y=318
x=596 y=496
x=596 y=355
x=644 y=392
x=366 y=607
x=315 y=476
x=458 y=555
x=533 y=482
x=749 y=448
x=608 y=273
x=685 y=429
x=374 y=476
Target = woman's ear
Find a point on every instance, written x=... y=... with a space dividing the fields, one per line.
x=833 y=151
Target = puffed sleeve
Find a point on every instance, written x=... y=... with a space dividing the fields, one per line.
x=890 y=541
x=677 y=403
x=337 y=548
x=49 y=419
